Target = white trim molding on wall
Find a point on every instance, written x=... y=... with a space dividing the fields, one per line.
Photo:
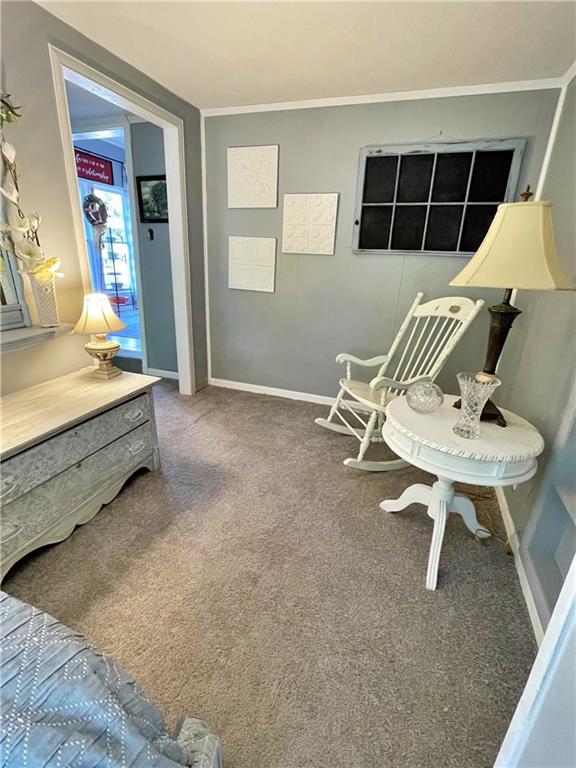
x=528 y=589
x=258 y=389
x=551 y=83
x=205 y=243
x=543 y=700
x=66 y=67
x=129 y=163
x=163 y=374
x=514 y=543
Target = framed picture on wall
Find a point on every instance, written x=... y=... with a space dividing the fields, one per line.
x=152 y=199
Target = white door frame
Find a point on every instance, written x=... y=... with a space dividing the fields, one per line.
x=96 y=129
x=66 y=67
x=540 y=702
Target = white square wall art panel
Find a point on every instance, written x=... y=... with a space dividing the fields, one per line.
x=252 y=263
x=309 y=223
x=253 y=177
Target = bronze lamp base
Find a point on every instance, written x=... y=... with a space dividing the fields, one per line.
x=501 y=318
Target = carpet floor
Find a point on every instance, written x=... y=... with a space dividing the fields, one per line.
x=254 y=583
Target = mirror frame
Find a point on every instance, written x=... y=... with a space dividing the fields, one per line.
x=14 y=315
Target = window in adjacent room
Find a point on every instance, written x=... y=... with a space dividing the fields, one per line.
x=433 y=198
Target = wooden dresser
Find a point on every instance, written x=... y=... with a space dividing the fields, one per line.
x=68 y=445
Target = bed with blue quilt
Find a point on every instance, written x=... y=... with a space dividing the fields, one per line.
x=63 y=704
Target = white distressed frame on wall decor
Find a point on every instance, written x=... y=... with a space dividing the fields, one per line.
x=253 y=176
x=517 y=145
x=309 y=223
x=66 y=67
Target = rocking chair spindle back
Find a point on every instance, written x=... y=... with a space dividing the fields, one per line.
x=425 y=340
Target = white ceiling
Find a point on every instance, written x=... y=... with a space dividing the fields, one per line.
x=84 y=106
x=216 y=54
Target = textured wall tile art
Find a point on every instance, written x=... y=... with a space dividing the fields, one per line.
x=252 y=263
x=253 y=177
x=309 y=223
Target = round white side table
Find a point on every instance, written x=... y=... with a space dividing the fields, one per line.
x=500 y=456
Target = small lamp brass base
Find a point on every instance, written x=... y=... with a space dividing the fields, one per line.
x=103 y=351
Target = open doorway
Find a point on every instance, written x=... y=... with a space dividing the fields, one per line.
x=119 y=158
x=104 y=191
x=141 y=263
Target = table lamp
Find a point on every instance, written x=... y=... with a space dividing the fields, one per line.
x=98 y=319
x=518 y=252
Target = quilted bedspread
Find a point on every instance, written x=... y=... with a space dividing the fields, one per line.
x=66 y=705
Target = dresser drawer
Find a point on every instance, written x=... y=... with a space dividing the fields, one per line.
x=39 y=509
x=31 y=468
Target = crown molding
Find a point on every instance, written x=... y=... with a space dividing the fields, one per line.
x=380 y=98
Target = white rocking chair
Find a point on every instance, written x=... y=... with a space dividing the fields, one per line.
x=437 y=326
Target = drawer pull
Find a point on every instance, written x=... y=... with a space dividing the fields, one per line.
x=134 y=415
x=137 y=447
x=7 y=485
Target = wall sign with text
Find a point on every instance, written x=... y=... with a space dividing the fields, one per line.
x=94 y=168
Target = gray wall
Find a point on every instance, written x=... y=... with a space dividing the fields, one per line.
x=155 y=269
x=539 y=362
x=347 y=302
x=26 y=74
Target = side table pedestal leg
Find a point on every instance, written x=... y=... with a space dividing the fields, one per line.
x=414 y=494
x=465 y=508
x=440 y=501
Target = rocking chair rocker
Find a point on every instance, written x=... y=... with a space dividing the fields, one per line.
x=437 y=327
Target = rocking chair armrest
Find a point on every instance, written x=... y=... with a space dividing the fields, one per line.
x=372 y=362
x=382 y=382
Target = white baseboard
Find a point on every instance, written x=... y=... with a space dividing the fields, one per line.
x=507 y=519
x=257 y=389
x=162 y=373
x=520 y=569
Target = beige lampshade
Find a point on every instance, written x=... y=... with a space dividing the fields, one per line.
x=98 y=316
x=517 y=252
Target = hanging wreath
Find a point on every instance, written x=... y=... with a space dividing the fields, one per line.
x=96 y=215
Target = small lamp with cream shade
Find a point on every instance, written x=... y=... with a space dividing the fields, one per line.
x=98 y=319
x=518 y=252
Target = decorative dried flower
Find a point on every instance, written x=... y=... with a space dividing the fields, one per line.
x=23 y=226
x=24 y=233
x=10 y=194
x=8 y=152
x=34 y=220
x=28 y=251
x=45 y=270
x=8 y=112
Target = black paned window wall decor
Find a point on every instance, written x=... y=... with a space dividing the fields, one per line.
x=433 y=198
